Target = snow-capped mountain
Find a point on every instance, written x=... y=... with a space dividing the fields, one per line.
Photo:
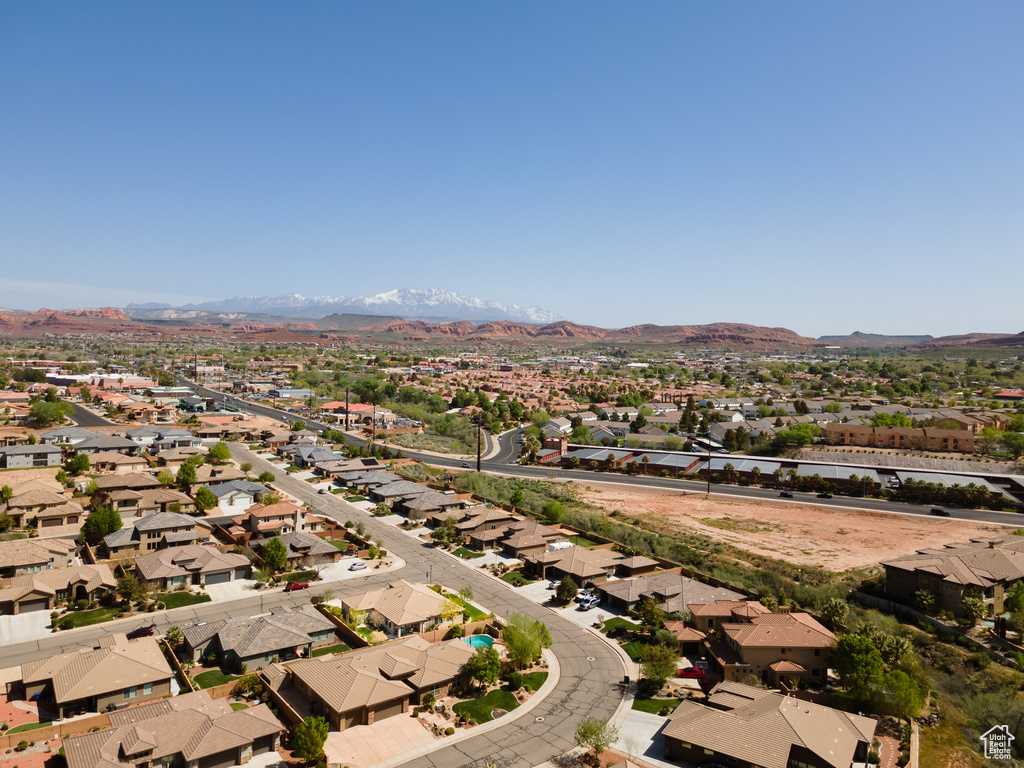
x=403 y=302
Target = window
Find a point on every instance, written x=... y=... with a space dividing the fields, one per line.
x=147 y=689
x=817 y=651
x=131 y=693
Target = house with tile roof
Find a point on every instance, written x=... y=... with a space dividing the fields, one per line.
x=777 y=648
x=34 y=555
x=585 y=566
x=987 y=568
x=304 y=549
x=107 y=443
x=187 y=731
x=24 y=507
x=190 y=565
x=403 y=608
x=134 y=481
x=745 y=726
x=40 y=591
x=117 y=673
x=666 y=589
x=281 y=517
x=118 y=463
x=286 y=633
x=211 y=474
x=153 y=532
x=367 y=686
x=27 y=456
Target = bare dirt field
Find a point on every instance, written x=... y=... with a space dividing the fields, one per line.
x=804 y=534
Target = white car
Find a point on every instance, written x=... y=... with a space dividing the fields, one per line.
x=358 y=565
x=587 y=603
x=553 y=584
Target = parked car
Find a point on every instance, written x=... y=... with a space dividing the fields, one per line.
x=692 y=672
x=553 y=584
x=587 y=603
x=142 y=632
x=295 y=586
x=358 y=565
x=824 y=495
x=938 y=511
x=582 y=595
x=324 y=490
x=786 y=495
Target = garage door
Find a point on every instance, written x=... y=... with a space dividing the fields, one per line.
x=218 y=578
x=241 y=573
x=220 y=760
x=28 y=606
x=352 y=719
x=391 y=710
x=262 y=745
x=51 y=522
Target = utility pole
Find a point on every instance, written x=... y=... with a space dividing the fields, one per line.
x=346 y=409
x=478 y=435
x=709 y=462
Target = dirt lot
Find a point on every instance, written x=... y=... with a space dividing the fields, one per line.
x=804 y=534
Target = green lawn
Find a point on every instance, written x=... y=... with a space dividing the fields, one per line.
x=330 y=649
x=467 y=554
x=534 y=680
x=355 y=498
x=634 y=649
x=238 y=705
x=365 y=632
x=619 y=623
x=515 y=578
x=86 y=618
x=301 y=576
x=580 y=541
x=472 y=613
x=212 y=678
x=181 y=599
x=13 y=536
x=654 y=706
x=480 y=709
x=341 y=543
x=30 y=727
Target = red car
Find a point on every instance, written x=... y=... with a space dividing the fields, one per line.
x=293 y=587
x=141 y=632
x=692 y=672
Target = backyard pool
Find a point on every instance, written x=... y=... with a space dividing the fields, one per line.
x=479 y=641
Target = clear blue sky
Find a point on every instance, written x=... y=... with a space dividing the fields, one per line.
x=821 y=166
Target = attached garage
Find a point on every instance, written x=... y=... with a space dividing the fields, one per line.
x=386 y=711
x=30 y=606
x=263 y=744
x=218 y=578
x=219 y=760
x=351 y=719
x=241 y=573
x=51 y=522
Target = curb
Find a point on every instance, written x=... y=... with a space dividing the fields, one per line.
x=554 y=674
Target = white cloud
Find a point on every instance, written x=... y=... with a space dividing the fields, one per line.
x=31 y=295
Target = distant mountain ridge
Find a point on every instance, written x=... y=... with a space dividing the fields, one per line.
x=432 y=303
x=861 y=339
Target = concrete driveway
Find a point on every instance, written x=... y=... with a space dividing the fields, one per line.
x=232 y=590
x=640 y=735
x=367 y=745
x=24 y=626
x=339 y=571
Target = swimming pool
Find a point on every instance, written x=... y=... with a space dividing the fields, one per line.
x=479 y=641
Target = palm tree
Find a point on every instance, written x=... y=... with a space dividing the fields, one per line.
x=174 y=636
x=778 y=476
x=756 y=472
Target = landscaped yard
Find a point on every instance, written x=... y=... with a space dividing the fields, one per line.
x=238 y=705
x=341 y=543
x=472 y=613
x=302 y=577
x=480 y=709
x=654 y=706
x=634 y=649
x=355 y=498
x=181 y=599
x=339 y=648
x=619 y=623
x=534 y=680
x=467 y=554
x=212 y=678
x=86 y=618
x=515 y=578
x=580 y=541
x=30 y=727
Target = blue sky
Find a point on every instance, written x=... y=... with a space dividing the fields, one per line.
x=824 y=167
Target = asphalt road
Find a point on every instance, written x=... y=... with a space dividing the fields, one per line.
x=83 y=417
x=503 y=462
x=591 y=671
